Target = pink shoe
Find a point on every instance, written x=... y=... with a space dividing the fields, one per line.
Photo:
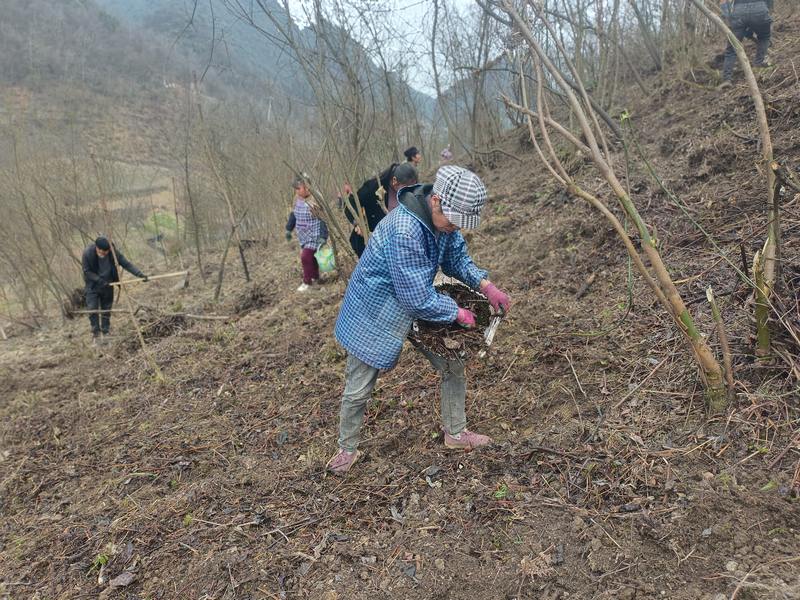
x=341 y=462
x=466 y=440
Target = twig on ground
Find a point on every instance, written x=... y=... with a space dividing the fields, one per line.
x=642 y=382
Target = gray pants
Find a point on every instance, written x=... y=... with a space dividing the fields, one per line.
x=360 y=379
x=751 y=17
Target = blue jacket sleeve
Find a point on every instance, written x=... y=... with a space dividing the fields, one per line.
x=457 y=263
x=409 y=269
x=291 y=222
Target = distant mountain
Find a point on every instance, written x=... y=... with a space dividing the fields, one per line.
x=110 y=74
x=72 y=75
x=42 y=42
x=233 y=50
x=252 y=58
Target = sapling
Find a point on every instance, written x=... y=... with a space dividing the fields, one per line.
x=771 y=252
x=657 y=276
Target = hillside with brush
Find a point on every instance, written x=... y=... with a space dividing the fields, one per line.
x=608 y=478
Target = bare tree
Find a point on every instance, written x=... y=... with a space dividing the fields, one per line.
x=596 y=148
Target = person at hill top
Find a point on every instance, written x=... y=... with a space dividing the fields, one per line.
x=391 y=181
x=100 y=270
x=746 y=17
x=393 y=284
x=311 y=232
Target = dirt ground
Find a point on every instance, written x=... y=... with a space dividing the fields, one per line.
x=607 y=479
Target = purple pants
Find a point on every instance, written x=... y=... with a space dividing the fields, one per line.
x=310 y=266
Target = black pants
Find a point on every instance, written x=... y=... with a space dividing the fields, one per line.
x=357 y=243
x=753 y=16
x=102 y=299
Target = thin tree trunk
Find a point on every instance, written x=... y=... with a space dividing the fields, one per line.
x=178 y=239
x=727 y=360
x=224 y=191
x=647 y=35
x=771 y=251
x=221 y=273
x=710 y=368
x=762 y=308
x=189 y=199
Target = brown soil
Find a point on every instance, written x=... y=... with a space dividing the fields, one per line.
x=607 y=478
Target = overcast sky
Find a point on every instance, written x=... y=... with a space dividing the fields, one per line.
x=410 y=19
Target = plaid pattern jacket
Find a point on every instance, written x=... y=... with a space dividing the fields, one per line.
x=393 y=284
x=310 y=229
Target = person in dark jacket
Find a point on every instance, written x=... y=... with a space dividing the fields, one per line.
x=377 y=197
x=413 y=155
x=745 y=18
x=99 y=270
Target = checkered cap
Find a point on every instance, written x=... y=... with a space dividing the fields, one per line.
x=462 y=195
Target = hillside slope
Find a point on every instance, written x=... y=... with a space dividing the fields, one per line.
x=608 y=480
x=73 y=78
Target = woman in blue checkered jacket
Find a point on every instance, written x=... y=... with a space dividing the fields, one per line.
x=393 y=284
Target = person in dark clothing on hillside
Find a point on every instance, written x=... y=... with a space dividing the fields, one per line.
x=377 y=197
x=99 y=270
x=413 y=156
x=746 y=17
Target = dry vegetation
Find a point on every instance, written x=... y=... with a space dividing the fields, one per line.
x=608 y=479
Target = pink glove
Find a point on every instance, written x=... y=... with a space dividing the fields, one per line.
x=466 y=318
x=497 y=298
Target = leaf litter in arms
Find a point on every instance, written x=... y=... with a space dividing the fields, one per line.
x=450 y=339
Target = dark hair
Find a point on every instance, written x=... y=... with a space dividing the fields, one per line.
x=298 y=181
x=406 y=174
x=385 y=178
x=103 y=243
x=411 y=152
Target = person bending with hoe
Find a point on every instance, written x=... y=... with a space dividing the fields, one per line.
x=99 y=271
x=311 y=232
x=393 y=284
